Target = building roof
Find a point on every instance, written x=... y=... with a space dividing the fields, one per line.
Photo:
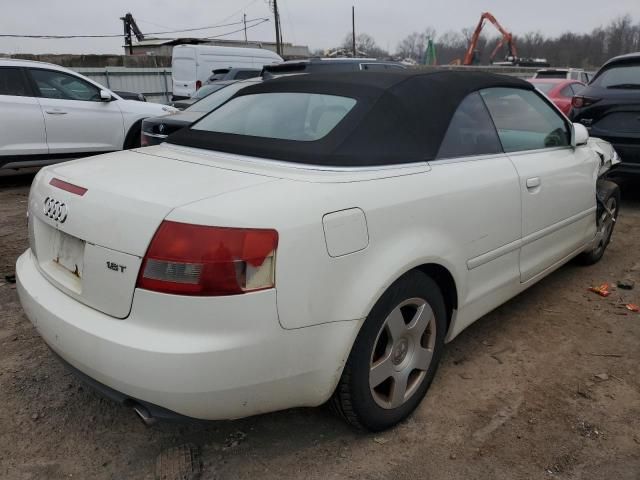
x=289 y=49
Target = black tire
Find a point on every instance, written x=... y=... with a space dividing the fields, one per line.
x=354 y=399
x=609 y=195
x=132 y=140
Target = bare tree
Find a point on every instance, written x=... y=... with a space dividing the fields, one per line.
x=413 y=46
x=588 y=50
x=365 y=46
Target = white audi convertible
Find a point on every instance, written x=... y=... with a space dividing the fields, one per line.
x=316 y=238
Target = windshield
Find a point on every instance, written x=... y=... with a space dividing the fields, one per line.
x=544 y=87
x=206 y=90
x=619 y=76
x=284 y=116
x=218 y=97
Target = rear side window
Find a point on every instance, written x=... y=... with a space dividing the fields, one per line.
x=621 y=76
x=206 y=90
x=524 y=120
x=471 y=131
x=12 y=82
x=217 y=98
x=60 y=85
x=284 y=116
x=244 y=74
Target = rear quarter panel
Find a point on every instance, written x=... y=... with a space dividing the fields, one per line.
x=445 y=215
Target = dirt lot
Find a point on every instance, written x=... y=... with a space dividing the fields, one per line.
x=516 y=397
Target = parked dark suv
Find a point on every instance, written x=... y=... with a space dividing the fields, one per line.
x=610 y=109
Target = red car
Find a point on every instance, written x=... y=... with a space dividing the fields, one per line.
x=559 y=90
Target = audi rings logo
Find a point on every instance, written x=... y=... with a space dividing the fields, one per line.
x=55 y=210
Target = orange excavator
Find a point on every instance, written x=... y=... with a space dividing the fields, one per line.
x=507 y=39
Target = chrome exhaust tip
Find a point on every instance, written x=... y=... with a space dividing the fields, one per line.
x=144 y=414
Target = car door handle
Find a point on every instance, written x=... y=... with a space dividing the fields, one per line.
x=56 y=112
x=533 y=182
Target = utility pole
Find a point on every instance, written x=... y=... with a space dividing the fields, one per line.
x=278 y=33
x=244 y=20
x=353 y=30
x=127 y=33
x=130 y=26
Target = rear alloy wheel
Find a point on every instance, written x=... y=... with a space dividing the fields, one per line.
x=395 y=356
x=402 y=353
x=609 y=195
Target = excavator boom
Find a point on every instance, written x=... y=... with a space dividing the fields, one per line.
x=506 y=38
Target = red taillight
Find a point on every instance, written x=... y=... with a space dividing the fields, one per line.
x=69 y=187
x=190 y=259
x=198 y=84
x=580 y=101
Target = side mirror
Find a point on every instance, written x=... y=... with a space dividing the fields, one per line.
x=105 y=96
x=580 y=135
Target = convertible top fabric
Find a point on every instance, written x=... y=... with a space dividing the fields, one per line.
x=400 y=117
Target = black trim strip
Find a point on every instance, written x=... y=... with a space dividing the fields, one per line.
x=42 y=159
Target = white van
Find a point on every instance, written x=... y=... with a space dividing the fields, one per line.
x=192 y=65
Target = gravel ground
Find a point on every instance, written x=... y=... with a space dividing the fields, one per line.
x=546 y=386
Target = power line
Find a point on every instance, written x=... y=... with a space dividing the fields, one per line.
x=56 y=37
x=264 y=20
x=154 y=24
x=242 y=9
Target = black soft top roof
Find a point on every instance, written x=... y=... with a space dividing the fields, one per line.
x=399 y=117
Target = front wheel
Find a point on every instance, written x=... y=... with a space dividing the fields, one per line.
x=607 y=214
x=395 y=355
x=133 y=139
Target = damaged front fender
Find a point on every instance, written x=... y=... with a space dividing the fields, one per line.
x=608 y=155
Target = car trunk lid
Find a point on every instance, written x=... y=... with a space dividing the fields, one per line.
x=91 y=244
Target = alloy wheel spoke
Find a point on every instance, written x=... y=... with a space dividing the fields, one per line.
x=396 y=325
x=420 y=321
x=381 y=371
x=421 y=358
x=399 y=388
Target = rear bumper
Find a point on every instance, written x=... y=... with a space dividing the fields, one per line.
x=220 y=358
x=154 y=411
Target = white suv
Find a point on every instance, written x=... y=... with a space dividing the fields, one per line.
x=568 y=73
x=50 y=114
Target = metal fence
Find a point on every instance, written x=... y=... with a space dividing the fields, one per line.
x=153 y=83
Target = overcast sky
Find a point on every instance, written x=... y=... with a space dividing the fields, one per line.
x=318 y=24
